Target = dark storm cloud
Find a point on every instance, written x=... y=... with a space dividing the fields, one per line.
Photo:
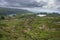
x=22 y=3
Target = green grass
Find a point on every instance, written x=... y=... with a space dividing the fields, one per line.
x=28 y=28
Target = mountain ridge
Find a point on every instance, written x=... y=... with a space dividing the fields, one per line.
x=6 y=11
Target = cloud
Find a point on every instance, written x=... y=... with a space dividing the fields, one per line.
x=22 y=3
x=3 y=3
x=44 y=4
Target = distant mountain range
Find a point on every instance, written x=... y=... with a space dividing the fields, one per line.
x=7 y=11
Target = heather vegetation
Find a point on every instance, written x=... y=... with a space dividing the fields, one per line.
x=29 y=26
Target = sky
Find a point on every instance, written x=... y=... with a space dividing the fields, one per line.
x=33 y=5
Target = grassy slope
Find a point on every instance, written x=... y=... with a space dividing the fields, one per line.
x=30 y=27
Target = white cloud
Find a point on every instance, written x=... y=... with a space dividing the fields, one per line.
x=3 y=3
x=50 y=3
x=41 y=0
x=38 y=0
